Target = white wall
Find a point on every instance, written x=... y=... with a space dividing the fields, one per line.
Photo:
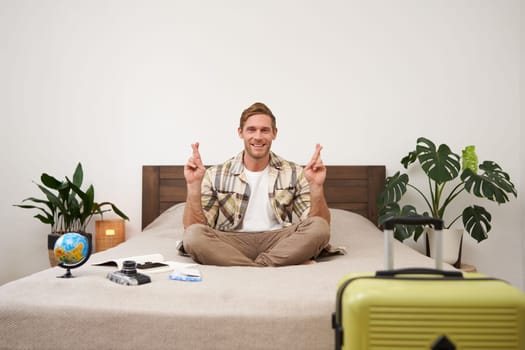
x=119 y=84
x=522 y=143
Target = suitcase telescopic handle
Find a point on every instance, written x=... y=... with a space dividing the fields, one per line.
x=412 y=220
x=420 y=271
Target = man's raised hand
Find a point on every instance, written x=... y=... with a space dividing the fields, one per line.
x=194 y=169
x=315 y=171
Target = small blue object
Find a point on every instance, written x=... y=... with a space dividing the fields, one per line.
x=178 y=277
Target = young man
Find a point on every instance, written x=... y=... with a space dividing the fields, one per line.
x=240 y=212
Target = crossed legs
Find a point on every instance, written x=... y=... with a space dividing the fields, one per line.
x=288 y=246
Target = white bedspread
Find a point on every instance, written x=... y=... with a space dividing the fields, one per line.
x=232 y=308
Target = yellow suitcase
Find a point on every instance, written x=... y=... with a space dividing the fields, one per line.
x=427 y=308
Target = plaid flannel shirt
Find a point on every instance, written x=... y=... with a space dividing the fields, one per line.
x=225 y=192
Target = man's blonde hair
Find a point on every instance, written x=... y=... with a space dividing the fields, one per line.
x=256 y=108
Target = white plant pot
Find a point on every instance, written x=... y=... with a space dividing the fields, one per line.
x=452 y=239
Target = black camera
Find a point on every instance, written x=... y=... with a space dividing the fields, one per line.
x=128 y=275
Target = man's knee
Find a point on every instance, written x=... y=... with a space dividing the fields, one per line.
x=320 y=228
x=193 y=236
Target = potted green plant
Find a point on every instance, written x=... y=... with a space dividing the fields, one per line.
x=449 y=175
x=66 y=207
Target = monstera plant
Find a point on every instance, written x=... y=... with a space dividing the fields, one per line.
x=449 y=176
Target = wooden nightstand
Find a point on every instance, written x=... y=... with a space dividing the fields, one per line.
x=468 y=268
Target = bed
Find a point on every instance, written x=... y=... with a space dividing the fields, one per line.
x=231 y=308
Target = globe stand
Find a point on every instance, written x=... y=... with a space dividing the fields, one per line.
x=68 y=274
x=66 y=264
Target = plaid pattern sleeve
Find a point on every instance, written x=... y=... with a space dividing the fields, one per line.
x=225 y=192
x=209 y=201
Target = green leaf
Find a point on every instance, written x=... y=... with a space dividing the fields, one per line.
x=469 y=159
x=409 y=159
x=78 y=175
x=74 y=207
x=390 y=210
x=36 y=200
x=50 y=181
x=45 y=219
x=52 y=198
x=477 y=222
x=98 y=209
x=90 y=195
x=401 y=232
x=395 y=188
x=76 y=190
x=81 y=209
x=26 y=206
x=119 y=212
x=47 y=213
x=440 y=165
x=89 y=204
x=493 y=184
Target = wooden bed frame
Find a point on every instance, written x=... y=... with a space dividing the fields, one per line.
x=348 y=187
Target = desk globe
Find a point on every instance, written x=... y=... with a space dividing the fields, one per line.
x=71 y=250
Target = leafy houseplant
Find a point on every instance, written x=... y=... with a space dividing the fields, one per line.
x=66 y=207
x=449 y=175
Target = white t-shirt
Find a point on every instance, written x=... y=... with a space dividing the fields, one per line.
x=259 y=214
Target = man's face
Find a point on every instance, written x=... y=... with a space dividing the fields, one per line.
x=258 y=135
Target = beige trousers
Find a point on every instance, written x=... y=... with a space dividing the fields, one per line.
x=288 y=246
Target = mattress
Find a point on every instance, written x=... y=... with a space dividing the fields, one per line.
x=231 y=308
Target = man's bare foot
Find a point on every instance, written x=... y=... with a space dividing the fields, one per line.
x=309 y=262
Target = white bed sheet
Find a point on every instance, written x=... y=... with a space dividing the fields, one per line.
x=232 y=308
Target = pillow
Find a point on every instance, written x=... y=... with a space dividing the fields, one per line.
x=170 y=218
x=346 y=225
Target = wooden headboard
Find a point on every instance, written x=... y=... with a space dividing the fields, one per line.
x=349 y=187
